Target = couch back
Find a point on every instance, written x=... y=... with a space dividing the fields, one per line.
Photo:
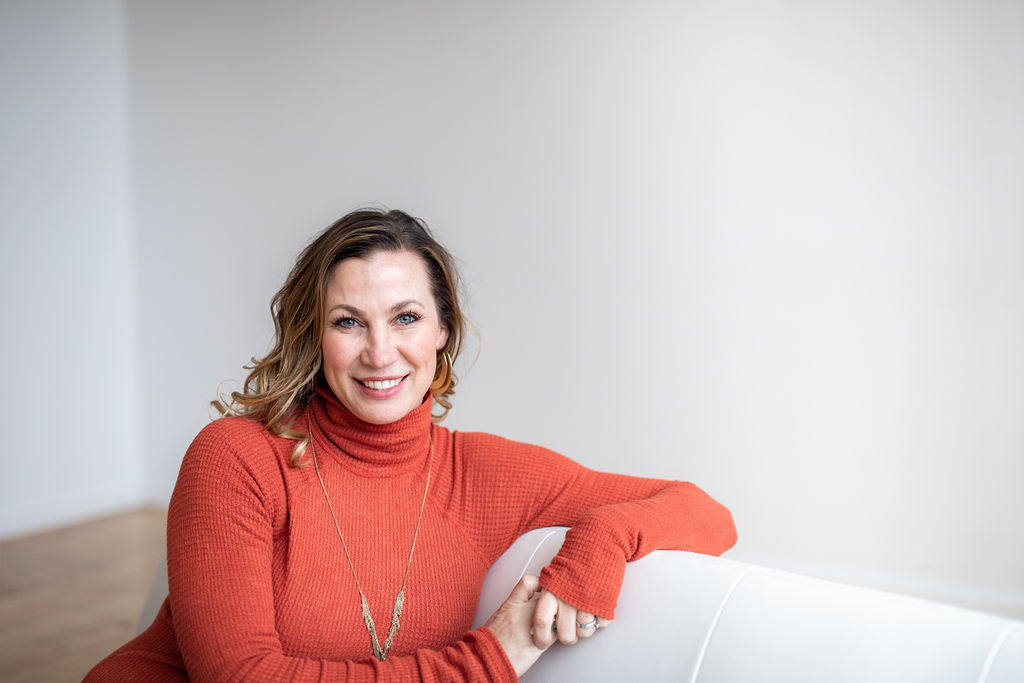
x=700 y=619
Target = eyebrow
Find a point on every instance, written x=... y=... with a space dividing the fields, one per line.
x=394 y=309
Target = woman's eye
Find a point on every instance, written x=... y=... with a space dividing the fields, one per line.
x=407 y=318
x=345 y=323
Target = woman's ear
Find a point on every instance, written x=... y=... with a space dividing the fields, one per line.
x=442 y=337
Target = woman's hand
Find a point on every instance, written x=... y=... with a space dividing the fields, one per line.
x=554 y=617
x=511 y=624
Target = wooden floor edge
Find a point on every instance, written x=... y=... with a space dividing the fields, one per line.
x=57 y=527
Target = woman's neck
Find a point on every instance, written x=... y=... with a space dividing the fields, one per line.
x=369 y=449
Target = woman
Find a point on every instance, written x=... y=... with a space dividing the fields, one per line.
x=327 y=528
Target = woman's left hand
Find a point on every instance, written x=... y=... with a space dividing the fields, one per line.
x=555 y=619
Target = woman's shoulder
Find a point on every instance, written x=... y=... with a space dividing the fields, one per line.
x=471 y=445
x=231 y=430
x=235 y=466
x=238 y=439
x=493 y=449
x=232 y=426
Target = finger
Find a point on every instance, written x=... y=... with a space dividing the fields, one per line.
x=586 y=624
x=604 y=623
x=565 y=623
x=543 y=617
x=524 y=590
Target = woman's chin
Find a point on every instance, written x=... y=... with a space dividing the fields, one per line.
x=381 y=412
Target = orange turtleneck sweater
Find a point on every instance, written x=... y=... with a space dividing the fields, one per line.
x=260 y=588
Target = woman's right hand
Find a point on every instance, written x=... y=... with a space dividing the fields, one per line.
x=513 y=621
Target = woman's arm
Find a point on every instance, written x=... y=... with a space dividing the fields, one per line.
x=614 y=518
x=227 y=503
x=650 y=515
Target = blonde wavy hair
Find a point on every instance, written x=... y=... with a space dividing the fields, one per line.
x=281 y=384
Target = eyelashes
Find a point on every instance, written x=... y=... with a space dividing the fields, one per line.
x=406 y=318
x=402 y=319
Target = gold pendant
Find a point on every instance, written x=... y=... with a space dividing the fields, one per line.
x=396 y=614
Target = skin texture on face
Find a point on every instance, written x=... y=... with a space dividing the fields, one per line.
x=381 y=335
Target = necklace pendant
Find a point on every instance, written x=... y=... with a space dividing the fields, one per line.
x=371 y=628
x=381 y=653
x=396 y=614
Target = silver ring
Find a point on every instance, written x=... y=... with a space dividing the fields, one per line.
x=587 y=626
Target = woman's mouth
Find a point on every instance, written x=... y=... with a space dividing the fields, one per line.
x=381 y=387
x=381 y=384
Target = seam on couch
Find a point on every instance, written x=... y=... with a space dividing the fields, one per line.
x=714 y=624
x=993 y=653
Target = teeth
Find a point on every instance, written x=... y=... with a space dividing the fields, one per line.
x=386 y=384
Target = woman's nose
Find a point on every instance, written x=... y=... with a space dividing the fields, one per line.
x=380 y=350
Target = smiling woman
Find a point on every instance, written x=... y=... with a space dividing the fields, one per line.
x=382 y=335
x=323 y=293
x=279 y=571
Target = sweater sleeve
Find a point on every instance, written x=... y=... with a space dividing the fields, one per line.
x=613 y=518
x=221 y=523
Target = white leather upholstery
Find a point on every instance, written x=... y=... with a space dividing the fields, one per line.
x=699 y=619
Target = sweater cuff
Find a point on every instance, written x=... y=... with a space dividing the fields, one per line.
x=492 y=654
x=587 y=572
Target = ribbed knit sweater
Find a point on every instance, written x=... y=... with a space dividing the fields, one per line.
x=260 y=588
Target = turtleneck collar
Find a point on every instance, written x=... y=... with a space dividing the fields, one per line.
x=371 y=448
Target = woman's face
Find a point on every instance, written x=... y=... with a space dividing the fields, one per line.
x=381 y=334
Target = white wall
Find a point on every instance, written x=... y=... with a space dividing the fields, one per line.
x=774 y=248
x=70 y=401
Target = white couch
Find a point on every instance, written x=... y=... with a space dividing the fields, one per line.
x=699 y=619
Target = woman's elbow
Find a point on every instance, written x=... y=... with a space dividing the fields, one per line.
x=725 y=536
x=714 y=529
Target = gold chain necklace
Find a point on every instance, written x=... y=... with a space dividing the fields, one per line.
x=379 y=652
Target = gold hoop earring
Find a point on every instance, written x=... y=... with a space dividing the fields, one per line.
x=444 y=375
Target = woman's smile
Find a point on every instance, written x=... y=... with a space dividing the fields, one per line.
x=382 y=388
x=380 y=384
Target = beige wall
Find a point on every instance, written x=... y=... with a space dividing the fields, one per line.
x=773 y=248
